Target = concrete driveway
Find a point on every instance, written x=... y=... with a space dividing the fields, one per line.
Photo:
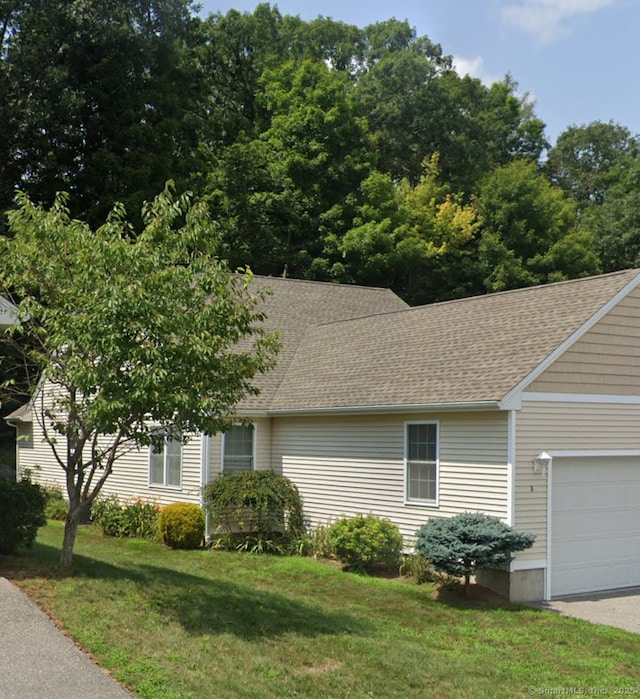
x=619 y=608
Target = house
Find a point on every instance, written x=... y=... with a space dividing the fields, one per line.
x=524 y=405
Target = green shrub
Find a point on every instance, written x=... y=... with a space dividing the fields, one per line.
x=134 y=519
x=257 y=511
x=460 y=545
x=318 y=543
x=56 y=506
x=365 y=541
x=421 y=570
x=22 y=506
x=182 y=525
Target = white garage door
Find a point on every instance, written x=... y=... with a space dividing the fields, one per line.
x=595 y=524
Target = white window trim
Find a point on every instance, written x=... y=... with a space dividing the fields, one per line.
x=253 y=447
x=421 y=503
x=165 y=485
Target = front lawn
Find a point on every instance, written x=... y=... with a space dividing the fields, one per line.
x=211 y=624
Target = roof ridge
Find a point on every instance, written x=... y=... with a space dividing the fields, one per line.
x=477 y=297
x=324 y=283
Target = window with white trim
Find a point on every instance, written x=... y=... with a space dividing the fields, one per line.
x=238 y=449
x=421 y=462
x=166 y=464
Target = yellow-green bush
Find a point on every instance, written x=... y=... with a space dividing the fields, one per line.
x=182 y=525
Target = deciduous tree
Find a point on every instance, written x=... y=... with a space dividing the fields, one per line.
x=132 y=339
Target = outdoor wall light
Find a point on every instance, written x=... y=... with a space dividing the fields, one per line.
x=542 y=462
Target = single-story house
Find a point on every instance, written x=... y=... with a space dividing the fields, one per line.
x=524 y=405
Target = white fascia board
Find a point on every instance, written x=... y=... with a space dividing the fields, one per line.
x=381 y=409
x=515 y=394
x=542 y=397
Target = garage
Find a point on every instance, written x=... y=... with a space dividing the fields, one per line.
x=595 y=524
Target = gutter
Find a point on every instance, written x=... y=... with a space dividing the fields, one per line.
x=373 y=409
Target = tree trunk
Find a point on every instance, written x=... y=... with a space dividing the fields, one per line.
x=70 y=531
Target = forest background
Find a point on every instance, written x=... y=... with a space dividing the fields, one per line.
x=324 y=150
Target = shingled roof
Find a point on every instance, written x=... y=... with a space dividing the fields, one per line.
x=292 y=305
x=468 y=351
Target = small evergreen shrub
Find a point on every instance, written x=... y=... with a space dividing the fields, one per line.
x=257 y=511
x=182 y=525
x=460 y=545
x=365 y=541
x=22 y=505
x=57 y=506
x=134 y=519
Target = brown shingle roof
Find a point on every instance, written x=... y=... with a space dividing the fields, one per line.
x=293 y=305
x=465 y=351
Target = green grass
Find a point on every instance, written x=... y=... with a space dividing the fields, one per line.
x=177 y=624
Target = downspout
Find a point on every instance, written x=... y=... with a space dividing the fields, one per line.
x=511 y=466
x=204 y=475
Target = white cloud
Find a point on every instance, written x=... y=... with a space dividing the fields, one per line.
x=473 y=67
x=547 y=19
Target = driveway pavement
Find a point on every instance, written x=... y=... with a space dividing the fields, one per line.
x=619 y=608
x=39 y=662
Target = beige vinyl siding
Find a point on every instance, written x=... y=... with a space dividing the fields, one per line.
x=562 y=426
x=354 y=464
x=605 y=360
x=130 y=477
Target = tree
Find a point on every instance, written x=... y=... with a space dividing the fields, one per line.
x=100 y=99
x=277 y=193
x=461 y=544
x=525 y=223
x=416 y=240
x=131 y=340
x=584 y=160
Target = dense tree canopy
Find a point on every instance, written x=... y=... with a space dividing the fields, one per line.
x=324 y=150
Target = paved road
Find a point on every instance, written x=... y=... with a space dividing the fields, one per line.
x=619 y=608
x=39 y=662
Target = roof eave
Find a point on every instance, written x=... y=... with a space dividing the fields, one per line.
x=382 y=409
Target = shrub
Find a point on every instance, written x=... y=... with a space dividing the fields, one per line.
x=460 y=545
x=318 y=543
x=182 y=525
x=135 y=519
x=365 y=541
x=56 y=506
x=22 y=506
x=260 y=511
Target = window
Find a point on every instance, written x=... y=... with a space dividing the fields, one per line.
x=238 y=449
x=421 y=458
x=166 y=464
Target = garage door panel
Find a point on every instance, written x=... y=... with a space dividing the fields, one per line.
x=595 y=524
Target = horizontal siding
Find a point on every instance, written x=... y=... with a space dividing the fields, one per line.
x=605 y=360
x=354 y=464
x=130 y=477
x=562 y=426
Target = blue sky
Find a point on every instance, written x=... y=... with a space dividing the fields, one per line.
x=577 y=59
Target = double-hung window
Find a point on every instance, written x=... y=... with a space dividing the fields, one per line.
x=421 y=462
x=238 y=449
x=166 y=463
